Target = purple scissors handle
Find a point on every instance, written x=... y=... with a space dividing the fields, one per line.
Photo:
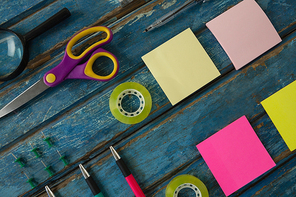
x=69 y=68
x=84 y=71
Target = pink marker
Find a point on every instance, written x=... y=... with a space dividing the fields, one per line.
x=127 y=174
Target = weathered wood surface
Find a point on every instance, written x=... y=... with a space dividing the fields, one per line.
x=76 y=113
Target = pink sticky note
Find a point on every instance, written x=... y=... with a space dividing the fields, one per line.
x=244 y=32
x=235 y=155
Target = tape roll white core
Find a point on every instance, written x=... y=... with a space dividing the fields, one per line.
x=190 y=186
x=130 y=92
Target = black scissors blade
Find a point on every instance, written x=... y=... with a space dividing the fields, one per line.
x=24 y=97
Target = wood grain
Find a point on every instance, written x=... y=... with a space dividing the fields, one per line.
x=76 y=114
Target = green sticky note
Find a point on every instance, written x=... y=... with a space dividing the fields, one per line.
x=281 y=108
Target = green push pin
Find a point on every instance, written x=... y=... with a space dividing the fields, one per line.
x=48 y=169
x=20 y=161
x=31 y=182
x=63 y=159
x=35 y=151
x=48 y=141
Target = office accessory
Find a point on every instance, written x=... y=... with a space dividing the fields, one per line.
x=181 y=66
x=19 y=160
x=117 y=107
x=47 y=169
x=127 y=174
x=49 y=192
x=47 y=140
x=63 y=159
x=30 y=181
x=245 y=32
x=15 y=55
x=186 y=181
x=37 y=155
x=90 y=182
x=35 y=151
x=70 y=68
x=171 y=15
x=235 y=155
x=49 y=143
x=281 y=107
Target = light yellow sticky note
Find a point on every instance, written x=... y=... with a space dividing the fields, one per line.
x=181 y=66
x=281 y=108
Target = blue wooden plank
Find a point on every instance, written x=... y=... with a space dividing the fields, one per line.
x=20 y=11
x=43 y=47
x=272 y=141
x=92 y=138
x=10 y=10
x=160 y=148
x=82 y=16
x=282 y=177
x=170 y=155
x=121 y=48
x=33 y=79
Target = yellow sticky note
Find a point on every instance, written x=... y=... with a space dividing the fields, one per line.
x=281 y=108
x=181 y=66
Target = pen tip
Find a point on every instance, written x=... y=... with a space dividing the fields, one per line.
x=83 y=171
x=112 y=149
x=114 y=153
x=81 y=167
x=49 y=192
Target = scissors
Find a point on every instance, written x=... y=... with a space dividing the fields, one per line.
x=70 y=68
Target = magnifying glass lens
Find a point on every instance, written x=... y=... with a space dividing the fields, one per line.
x=11 y=52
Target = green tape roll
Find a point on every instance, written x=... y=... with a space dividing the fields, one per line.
x=130 y=88
x=186 y=181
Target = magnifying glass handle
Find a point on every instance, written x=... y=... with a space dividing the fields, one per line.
x=46 y=25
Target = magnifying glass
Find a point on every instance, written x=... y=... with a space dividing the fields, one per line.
x=14 y=54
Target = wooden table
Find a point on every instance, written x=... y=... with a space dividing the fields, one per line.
x=76 y=115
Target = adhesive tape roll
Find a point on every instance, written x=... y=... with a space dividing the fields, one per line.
x=186 y=181
x=125 y=89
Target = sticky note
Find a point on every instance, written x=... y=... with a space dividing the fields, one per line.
x=181 y=66
x=244 y=32
x=235 y=155
x=281 y=108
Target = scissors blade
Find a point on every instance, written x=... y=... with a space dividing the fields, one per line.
x=24 y=97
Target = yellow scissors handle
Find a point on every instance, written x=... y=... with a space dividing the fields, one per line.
x=95 y=45
x=88 y=70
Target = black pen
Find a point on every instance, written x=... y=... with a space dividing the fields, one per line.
x=91 y=183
